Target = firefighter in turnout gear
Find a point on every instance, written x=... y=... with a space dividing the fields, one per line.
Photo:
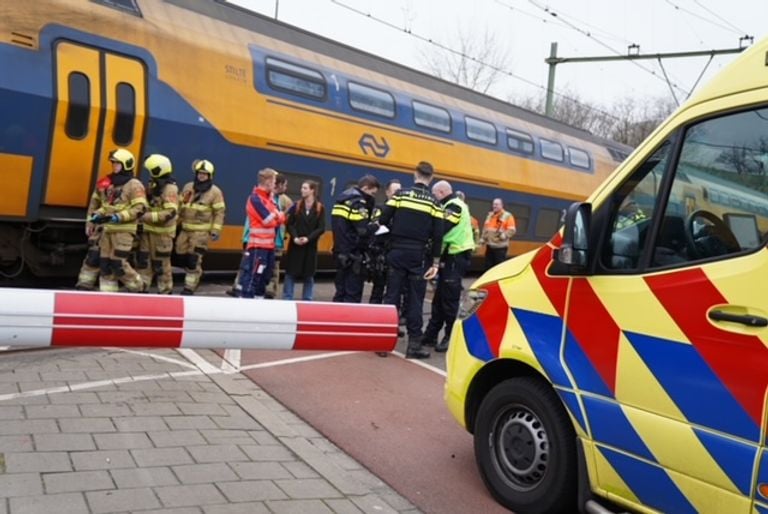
x=202 y=218
x=119 y=200
x=416 y=221
x=458 y=245
x=158 y=225
x=89 y=271
x=350 y=220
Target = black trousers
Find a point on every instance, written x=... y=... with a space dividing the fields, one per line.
x=348 y=281
x=494 y=256
x=406 y=274
x=445 y=303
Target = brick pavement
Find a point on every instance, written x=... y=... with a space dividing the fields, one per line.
x=113 y=431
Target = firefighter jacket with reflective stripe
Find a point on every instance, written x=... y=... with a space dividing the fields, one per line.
x=350 y=219
x=415 y=219
x=163 y=208
x=263 y=218
x=202 y=211
x=458 y=226
x=128 y=201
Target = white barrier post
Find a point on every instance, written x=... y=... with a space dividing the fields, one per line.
x=39 y=317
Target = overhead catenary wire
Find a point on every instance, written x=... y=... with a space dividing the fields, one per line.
x=713 y=13
x=463 y=55
x=691 y=13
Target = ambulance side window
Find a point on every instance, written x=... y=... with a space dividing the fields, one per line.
x=718 y=202
x=633 y=217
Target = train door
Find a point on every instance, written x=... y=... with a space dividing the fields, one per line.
x=100 y=104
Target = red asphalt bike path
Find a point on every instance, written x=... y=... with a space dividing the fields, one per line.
x=389 y=415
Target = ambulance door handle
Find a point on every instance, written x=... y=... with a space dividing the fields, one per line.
x=744 y=319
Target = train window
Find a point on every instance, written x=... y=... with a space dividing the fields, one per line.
x=294 y=184
x=552 y=151
x=429 y=116
x=479 y=130
x=519 y=141
x=371 y=100
x=579 y=158
x=547 y=222
x=522 y=214
x=295 y=79
x=128 y=6
x=79 y=109
x=126 y=114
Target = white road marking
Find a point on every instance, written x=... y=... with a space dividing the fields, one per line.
x=178 y=362
x=231 y=361
x=195 y=358
x=296 y=360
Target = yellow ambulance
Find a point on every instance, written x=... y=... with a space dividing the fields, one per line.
x=624 y=365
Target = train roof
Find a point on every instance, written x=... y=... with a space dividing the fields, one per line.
x=255 y=22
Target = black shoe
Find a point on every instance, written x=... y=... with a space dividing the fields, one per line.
x=382 y=354
x=428 y=342
x=187 y=292
x=81 y=287
x=417 y=354
x=442 y=346
x=400 y=332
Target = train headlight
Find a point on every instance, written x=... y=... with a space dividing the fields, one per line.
x=471 y=302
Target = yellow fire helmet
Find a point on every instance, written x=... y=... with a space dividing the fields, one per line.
x=202 y=165
x=158 y=165
x=124 y=157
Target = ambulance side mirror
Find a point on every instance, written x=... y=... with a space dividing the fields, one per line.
x=574 y=252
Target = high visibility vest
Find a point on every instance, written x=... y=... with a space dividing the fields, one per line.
x=459 y=238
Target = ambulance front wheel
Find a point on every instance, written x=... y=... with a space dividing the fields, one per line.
x=526 y=448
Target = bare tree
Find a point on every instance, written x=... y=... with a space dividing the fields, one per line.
x=477 y=61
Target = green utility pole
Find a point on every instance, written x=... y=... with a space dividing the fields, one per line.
x=553 y=60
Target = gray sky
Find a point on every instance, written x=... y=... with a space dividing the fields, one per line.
x=526 y=28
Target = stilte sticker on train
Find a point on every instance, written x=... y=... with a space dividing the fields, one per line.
x=624 y=365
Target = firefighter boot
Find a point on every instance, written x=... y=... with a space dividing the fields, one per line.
x=415 y=350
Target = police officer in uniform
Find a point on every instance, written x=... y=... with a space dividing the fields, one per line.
x=158 y=225
x=416 y=220
x=458 y=245
x=350 y=220
x=121 y=201
x=202 y=218
x=377 y=251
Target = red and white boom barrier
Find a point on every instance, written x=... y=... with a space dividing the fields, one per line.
x=35 y=317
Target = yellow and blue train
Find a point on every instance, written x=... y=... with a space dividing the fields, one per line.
x=206 y=79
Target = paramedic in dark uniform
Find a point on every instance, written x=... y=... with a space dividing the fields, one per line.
x=415 y=219
x=458 y=245
x=350 y=220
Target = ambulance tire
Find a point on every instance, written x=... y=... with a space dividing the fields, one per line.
x=525 y=448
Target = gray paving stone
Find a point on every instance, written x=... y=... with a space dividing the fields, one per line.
x=105 y=410
x=213 y=397
x=3 y=506
x=180 y=510
x=307 y=488
x=102 y=459
x=225 y=436
x=43 y=462
x=20 y=376
x=16 y=443
x=64 y=376
x=260 y=470
x=189 y=422
x=161 y=457
x=175 y=385
x=53 y=411
x=20 y=484
x=143 y=477
x=251 y=490
x=75 y=398
x=176 y=438
x=122 y=396
x=139 y=385
x=344 y=507
x=77 y=481
x=122 y=441
x=71 y=503
x=30 y=426
x=300 y=469
x=87 y=425
x=63 y=442
x=168 y=396
x=140 y=424
x=156 y=409
x=204 y=473
x=122 y=500
x=189 y=495
x=238 y=508
x=298 y=507
x=8 y=388
x=217 y=453
x=11 y=411
x=202 y=409
x=263 y=437
x=274 y=453
x=240 y=422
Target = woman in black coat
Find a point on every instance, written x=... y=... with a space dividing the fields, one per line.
x=305 y=225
